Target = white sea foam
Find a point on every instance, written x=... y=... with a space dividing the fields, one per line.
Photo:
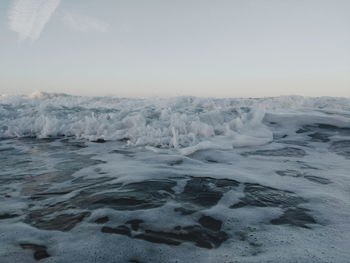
x=186 y=123
x=176 y=139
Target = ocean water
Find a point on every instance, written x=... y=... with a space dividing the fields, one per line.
x=100 y=179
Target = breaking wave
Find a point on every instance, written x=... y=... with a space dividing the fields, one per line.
x=187 y=123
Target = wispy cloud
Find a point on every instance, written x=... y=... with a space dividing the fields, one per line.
x=29 y=17
x=84 y=23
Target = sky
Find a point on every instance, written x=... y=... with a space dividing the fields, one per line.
x=138 y=48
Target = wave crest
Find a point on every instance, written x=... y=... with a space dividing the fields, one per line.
x=185 y=122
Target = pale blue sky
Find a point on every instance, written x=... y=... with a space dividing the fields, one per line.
x=233 y=48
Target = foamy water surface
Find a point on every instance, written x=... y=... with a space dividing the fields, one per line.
x=97 y=179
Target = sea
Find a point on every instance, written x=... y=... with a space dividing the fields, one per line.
x=180 y=179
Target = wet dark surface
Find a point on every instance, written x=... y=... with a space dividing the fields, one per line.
x=282 y=152
x=292 y=173
x=203 y=192
x=295 y=217
x=325 y=129
x=39 y=251
x=102 y=220
x=264 y=196
x=7 y=216
x=57 y=200
x=312 y=178
x=198 y=194
x=123 y=152
x=319 y=137
x=341 y=147
x=324 y=132
x=297 y=143
x=62 y=222
x=134 y=196
x=210 y=223
x=317 y=179
x=201 y=236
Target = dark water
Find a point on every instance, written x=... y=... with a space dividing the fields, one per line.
x=211 y=206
